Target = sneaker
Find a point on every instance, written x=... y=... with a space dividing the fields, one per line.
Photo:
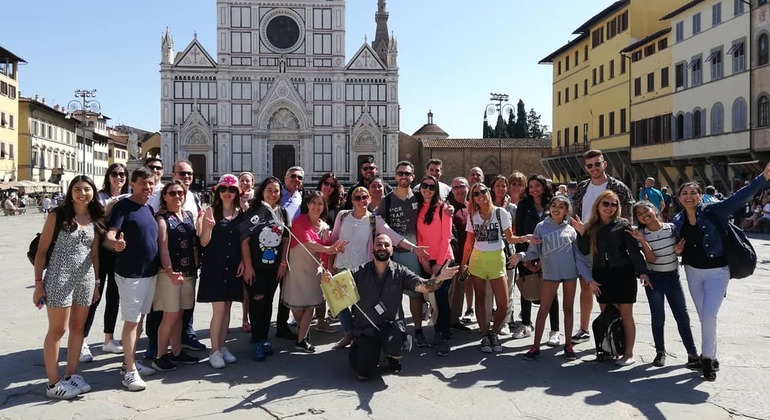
x=522 y=331
x=62 y=390
x=267 y=347
x=460 y=327
x=495 y=342
x=660 y=359
x=85 y=354
x=715 y=365
x=112 y=346
x=163 y=364
x=469 y=317
x=216 y=360
x=709 y=374
x=227 y=355
x=345 y=341
x=486 y=345
x=143 y=370
x=443 y=348
x=132 y=380
x=304 y=346
x=625 y=361
x=394 y=365
x=532 y=353
x=78 y=382
x=505 y=330
x=419 y=339
x=581 y=336
x=694 y=363
x=258 y=354
x=286 y=334
x=569 y=352
x=184 y=358
x=554 y=339
x=192 y=343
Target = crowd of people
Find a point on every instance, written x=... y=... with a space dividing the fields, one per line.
x=153 y=251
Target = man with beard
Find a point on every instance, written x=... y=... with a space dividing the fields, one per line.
x=380 y=285
x=368 y=171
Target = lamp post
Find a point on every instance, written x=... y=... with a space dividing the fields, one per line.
x=501 y=107
x=85 y=105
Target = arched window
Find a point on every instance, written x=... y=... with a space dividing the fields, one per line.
x=717 y=119
x=763 y=111
x=688 y=125
x=739 y=114
x=680 y=126
x=762 y=50
x=696 y=123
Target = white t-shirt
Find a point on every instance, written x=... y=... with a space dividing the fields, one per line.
x=489 y=235
x=358 y=233
x=589 y=199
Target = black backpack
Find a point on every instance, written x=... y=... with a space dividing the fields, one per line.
x=609 y=335
x=35 y=243
x=739 y=253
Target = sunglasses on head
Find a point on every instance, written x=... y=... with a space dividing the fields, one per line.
x=403 y=173
x=222 y=189
x=609 y=204
x=594 y=165
x=184 y=173
x=426 y=186
x=175 y=193
x=297 y=176
x=155 y=167
x=118 y=174
x=360 y=197
x=480 y=192
x=330 y=184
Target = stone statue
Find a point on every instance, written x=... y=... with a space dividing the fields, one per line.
x=134 y=151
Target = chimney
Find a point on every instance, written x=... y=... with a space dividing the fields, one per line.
x=35 y=98
x=43 y=101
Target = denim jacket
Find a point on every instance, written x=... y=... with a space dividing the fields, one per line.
x=712 y=238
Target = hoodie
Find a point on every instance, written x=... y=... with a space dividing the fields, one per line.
x=558 y=252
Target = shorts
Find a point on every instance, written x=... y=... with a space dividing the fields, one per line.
x=487 y=265
x=135 y=296
x=170 y=297
x=410 y=261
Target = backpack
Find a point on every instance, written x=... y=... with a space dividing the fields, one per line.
x=739 y=253
x=609 y=335
x=35 y=243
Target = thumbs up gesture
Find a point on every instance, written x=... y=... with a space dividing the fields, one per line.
x=119 y=244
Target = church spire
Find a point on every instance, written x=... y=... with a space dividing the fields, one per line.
x=381 y=40
x=167 y=48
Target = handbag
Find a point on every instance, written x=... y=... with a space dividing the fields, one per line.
x=739 y=253
x=530 y=286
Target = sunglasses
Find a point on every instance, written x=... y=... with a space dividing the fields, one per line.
x=222 y=189
x=609 y=204
x=175 y=193
x=155 y=167
x=460 y=187
x=403 y=173
x=426 y=186
x=297 y=176
x=368 y=168
x=594 y=165
x=184 y=173
x=330 y=184
x=480 y=192
x=118 y=174
x=360 y=197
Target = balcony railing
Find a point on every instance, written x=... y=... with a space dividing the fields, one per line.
x=569 y=149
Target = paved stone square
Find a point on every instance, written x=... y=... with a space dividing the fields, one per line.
x=467 y=384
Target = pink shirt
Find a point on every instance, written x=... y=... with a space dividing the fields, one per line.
x=437 y=235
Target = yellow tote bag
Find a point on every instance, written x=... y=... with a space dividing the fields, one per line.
x=340 y=292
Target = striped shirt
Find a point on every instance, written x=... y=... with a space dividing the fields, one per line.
x=662 y=244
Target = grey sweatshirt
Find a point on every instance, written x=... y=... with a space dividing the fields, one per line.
x=558 y=252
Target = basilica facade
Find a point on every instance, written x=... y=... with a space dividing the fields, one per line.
x=279 y=92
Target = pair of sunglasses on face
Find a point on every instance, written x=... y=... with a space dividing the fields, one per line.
x=480 y=191
x=426 y=186
x=222 y=189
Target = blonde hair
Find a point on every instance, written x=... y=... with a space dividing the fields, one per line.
x=595 y=221
x=472 y=208
x=359 y=189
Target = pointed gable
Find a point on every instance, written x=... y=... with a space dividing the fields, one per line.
x=282 y=94
x=365 y=59
x=195 y=56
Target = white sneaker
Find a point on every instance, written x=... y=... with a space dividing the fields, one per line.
x=505 y=330
x=143 y=370
x=554 y=339
x=522 y=331
x=132 y=380
x=62 y=390
x=216 y=360
x=113 y=346
x=78 y=382
x=85 y=354
x=227 y=356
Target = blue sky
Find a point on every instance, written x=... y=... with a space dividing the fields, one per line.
x=452 y=53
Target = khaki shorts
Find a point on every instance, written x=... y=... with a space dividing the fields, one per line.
x=170 y=297
x=487 y=265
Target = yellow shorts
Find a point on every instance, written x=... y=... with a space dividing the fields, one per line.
x=487 y=265
x=170 y=297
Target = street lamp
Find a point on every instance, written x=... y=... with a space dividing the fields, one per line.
x=501 y=107
x=85 y=105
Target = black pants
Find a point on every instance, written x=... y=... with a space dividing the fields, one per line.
x=366 y=348
x=112 y=298
x=444 y=310
x=152 y=324
x=553 y=313
x=261 y=311
x=282 y=319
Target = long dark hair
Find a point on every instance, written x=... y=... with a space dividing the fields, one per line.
x=335 y=200
x=259 y=195
x=163 y=192
x=304 y=207
x=106 y=182
x=428 y=219
x=66 y=213
x=498 y=178
x=547 y=195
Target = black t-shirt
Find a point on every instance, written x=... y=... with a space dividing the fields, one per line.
x=694 y=254
x=266 y=235
x=140 y=231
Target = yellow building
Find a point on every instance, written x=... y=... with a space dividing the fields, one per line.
x=46 y=143
x=597 y=115
x=9 y=114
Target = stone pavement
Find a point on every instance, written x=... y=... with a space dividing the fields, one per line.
x=467 y=384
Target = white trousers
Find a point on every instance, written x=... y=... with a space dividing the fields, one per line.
x=707 y=288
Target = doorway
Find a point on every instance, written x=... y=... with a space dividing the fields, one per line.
x=199 y=170
x=283 y=159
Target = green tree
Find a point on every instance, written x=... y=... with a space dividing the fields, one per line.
x=486 y=131
x=500 y=129
x=511 y=126
x=521 y=128
x=535 y=130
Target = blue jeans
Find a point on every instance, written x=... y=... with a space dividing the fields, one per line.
x=666 y=286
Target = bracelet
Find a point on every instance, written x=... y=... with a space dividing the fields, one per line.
x=38 y=280
x=284 y=264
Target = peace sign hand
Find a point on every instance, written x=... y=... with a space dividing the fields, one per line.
x=577 y=224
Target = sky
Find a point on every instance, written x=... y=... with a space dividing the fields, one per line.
x=452 y=53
